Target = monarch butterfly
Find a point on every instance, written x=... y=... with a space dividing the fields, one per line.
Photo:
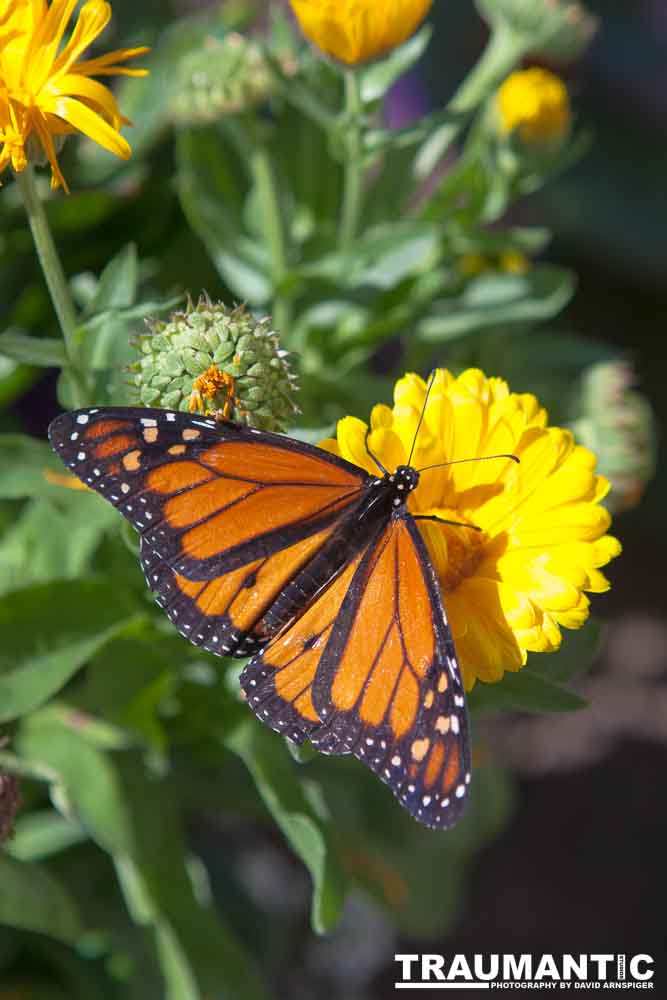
x=257 y=544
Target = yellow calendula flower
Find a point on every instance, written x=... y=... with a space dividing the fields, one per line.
x=355 y=31
x=535 y=103
x=46 y=90
x=510 y=587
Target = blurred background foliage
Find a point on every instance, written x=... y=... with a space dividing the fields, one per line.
x=166 y=844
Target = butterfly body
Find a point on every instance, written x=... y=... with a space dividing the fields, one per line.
x=254 y=543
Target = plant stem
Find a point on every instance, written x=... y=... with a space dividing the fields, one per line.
x=54 y=276
x=503 y=51
x=274 y=225
x=354 y=174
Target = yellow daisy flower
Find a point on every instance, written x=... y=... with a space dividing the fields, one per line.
x=510 y=587
x=534 y=102
x=354 y=31
x=45 y=92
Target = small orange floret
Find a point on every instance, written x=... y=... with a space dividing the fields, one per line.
x=210 y=384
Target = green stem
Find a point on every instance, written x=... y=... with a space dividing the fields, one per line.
x=274 y=226
x=354 y=173
x=55 y=277
x=502 y=53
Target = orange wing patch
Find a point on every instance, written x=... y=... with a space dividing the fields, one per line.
x=266 y=463
x=390 y=644
x=114 y=445
x=279 y=682
x=104 y=427
x=251 y=512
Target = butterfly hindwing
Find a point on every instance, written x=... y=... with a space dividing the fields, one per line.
x=227 y=515
x=370 y=669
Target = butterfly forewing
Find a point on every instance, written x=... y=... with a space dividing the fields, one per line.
x=227 y=515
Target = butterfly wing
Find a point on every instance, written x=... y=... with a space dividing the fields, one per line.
x=370 y=669
x=227 y=515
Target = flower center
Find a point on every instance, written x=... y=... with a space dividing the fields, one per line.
x=208 y=386
x=465 y=551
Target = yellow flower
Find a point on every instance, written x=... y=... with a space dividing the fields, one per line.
x=510 y=587
x=535 y=102
x=45 y=92
x=354 y=31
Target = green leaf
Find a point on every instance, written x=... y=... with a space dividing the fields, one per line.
x=106 y=337
x=575 y=656
x=33 y=900
x=51 y=541
x=499 y=299
x=117 y=287
x=418 y=875
x=382 y=256
x=15 y=380
x=46 y=352
x=198 y=954
x=50 y=631
x=289 y=800
x=376 y=80
x=524 y=691
x=23 y=462
x=213 y=189
x=41 y=834
x=88 y=778
x=133 y=816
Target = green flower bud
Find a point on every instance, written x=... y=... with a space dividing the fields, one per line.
x=222 y=78
x=557 y=29
x=9 y=803
x=617 y=424
x=215 y=359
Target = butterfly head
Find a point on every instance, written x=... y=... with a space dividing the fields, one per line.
x=403 y=481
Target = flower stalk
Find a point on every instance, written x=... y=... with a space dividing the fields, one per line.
x=263 y=175
x=354 y=172
x=54 y=277
x=504 y=50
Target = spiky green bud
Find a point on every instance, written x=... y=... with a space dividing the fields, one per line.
x=617 y=423
x=557 y=29
x=212 y=358
x=221 y=78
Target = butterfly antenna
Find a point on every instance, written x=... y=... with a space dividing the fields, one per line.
x=374 y=457
x=477 y=458
x=421 y=416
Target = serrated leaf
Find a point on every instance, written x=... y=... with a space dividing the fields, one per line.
x=499 y=299
x=45 y=352
x=286 y=797
x=32 y=899
x=51 y=630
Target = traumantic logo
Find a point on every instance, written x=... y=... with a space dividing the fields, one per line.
x=508 y=972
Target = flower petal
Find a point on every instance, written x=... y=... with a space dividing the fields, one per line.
x=91 y=124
